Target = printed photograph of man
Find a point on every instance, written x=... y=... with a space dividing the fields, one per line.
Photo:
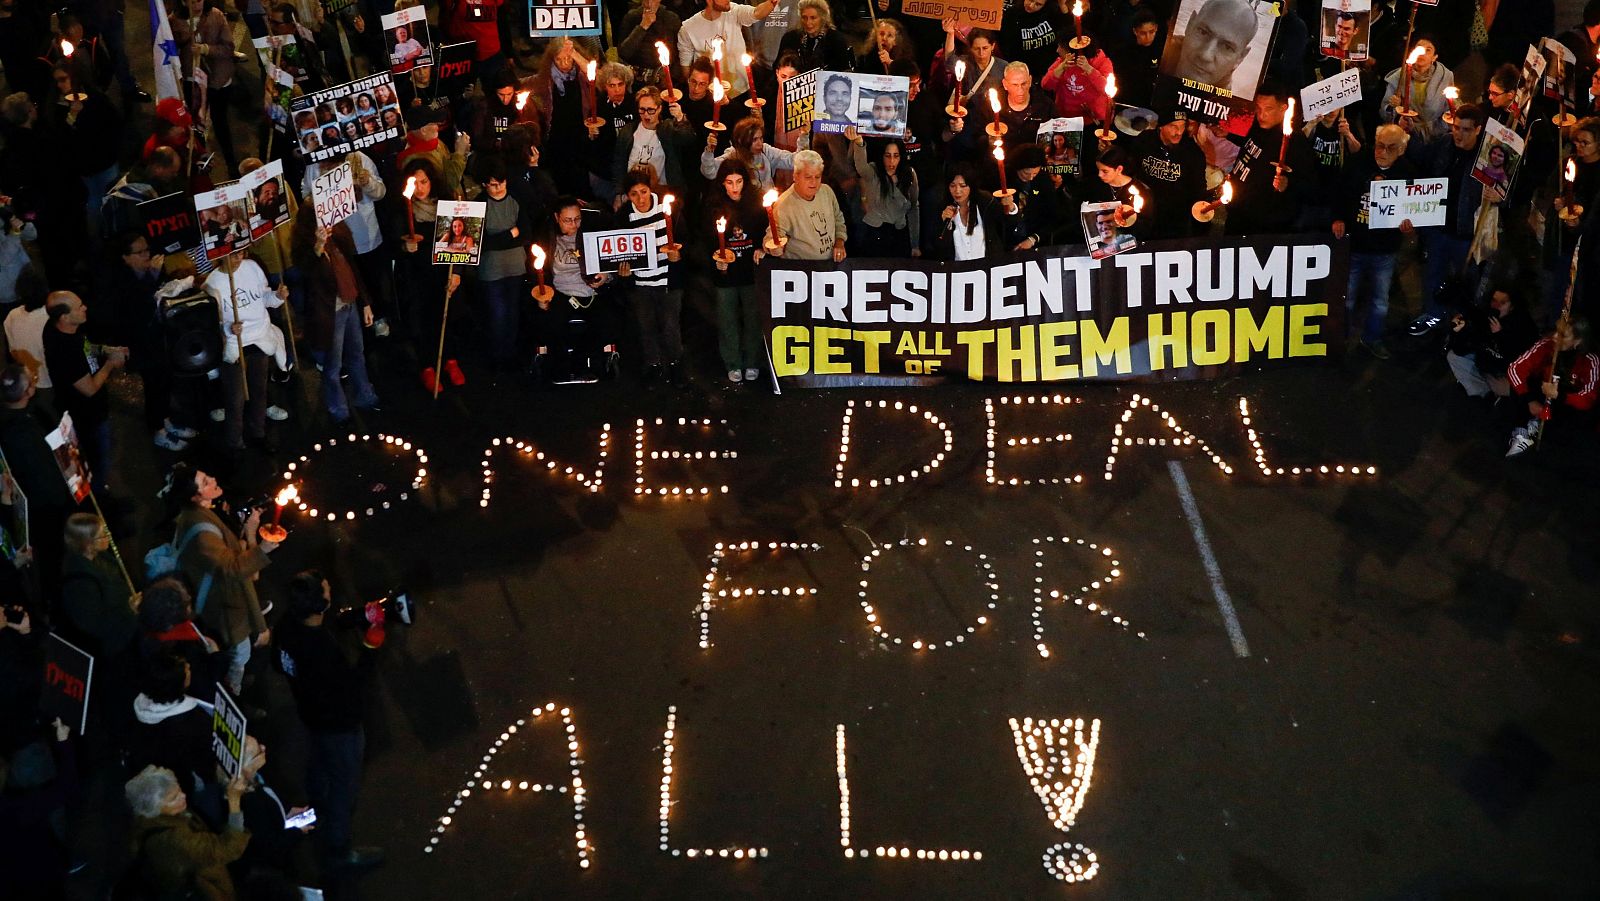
x=1344 y=29
x=837 y=92
x=881 y=114
x=1221 y=43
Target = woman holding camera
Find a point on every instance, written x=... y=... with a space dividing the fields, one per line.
x=222 y=564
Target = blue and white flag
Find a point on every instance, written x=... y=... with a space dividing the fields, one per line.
x=168 y=68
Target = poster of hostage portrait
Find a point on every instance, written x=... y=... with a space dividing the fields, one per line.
x=1215 y=57
x=1498 y=157
x=268 y=194
x=1062 y=140
x=405 y=36
x=224 y=215
x=874 y=104
x=1101 y=232
x=458 y=232
x=357 y=115
x=1346 y=29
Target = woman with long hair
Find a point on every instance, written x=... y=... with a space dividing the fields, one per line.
x=890 y=221
x=887 y=43
x=422 y=285
x=735 y=199
x=976 y=225
x=817 y=42
x=748 y=145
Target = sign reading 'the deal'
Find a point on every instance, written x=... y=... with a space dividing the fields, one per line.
x=563 y=18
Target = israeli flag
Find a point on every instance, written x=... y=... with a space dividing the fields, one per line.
x=168 y=68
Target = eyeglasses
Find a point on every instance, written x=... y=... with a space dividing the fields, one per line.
x=649 y=109
x=1383 y=146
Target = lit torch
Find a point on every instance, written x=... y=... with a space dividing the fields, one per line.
x=770 y=201
x=1204 y=211
x=668 y=95
x=998 y=128
x=1288 y=131
x=955 y=109
x=273 y=531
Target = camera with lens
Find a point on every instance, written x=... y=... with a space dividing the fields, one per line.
x=376 y=616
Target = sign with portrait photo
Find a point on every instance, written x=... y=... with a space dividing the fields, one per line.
x=405 y=37
x=458 y=232
x=63 y=443
x=14 y=525
x=1560 y=72
x=1101 y=231
x=875 y=104
x=606 y=251
x=269 y=198
x=1062 y=140
x=563 y=18
x=1498 y=157
x=1529 y=84
x=1346 y=29
x=224 y=216
x=357 y=115
x=797 y=97
x=1215 y=57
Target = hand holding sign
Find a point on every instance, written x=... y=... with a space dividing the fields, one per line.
x=334 y=195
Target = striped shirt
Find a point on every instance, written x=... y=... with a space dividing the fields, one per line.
x=651 y=220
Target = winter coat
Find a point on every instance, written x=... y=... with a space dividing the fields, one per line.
x=232 y=613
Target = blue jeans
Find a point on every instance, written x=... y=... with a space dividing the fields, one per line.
x=238 y=655
x=347 y=353
x=502 y=303
x=97 y=185
x=1446 y=254
x=1370 y=276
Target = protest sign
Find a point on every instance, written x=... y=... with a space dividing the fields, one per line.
x=798 y=97
x=227 y=733
x=458 y=232
x=1062 y=140
x=976 y=13
x=606 y=251
x=874 y=104
x=68 y=677
x=1346 y=29
x=63 y=441
x=334 y=7
x=1101 y=232
x=169 y=223
x=1560 y=71
x=224 y=217
x=1419 y=201
x=333 y=194
x=1498 y=156
x=14 y=529
x=1530 y=82
x=405 y=36
x=453 y=72
x=357 y=115
x=1215 y=57
x=563 y=18
x=1196 y=308
x=268 y=194
x=1330 y=94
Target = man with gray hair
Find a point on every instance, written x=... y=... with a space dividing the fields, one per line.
x=1372 y=251
x=810 y=224
x=175 y=853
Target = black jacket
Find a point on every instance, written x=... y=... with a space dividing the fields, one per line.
x=327 y=684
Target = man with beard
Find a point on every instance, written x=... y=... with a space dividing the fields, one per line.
x=1174 y=167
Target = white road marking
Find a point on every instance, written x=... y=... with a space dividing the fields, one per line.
x=1191 y=512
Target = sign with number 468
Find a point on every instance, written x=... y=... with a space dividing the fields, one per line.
x=606 y=251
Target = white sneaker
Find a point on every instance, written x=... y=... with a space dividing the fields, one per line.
x=169 y=442
x=219 y=414
x=178 y=432
x=277 y=413
x=1521 y=442
x=735 y=376
x=751 y=375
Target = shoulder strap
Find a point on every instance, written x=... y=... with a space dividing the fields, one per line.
x=193 y=532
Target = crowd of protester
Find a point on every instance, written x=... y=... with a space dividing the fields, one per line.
x=85 y=294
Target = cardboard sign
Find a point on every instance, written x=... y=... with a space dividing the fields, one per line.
x=563 y=18
x=1498 y=156
x=227 y=733
x=405 y=36
x=976 y=13
x=268 y=195
x=169 y=223
x=453 y=71
x=224 y=218
x=14 y=528
x=1346 y=29
x=606 y=251
x=1330 y=94
x=798 y=95
x=334 y=195
x=458 y=232
x=68 y=677
x=875 y=104
x=1420 y=201
x=357 y=115
x=1560 y=71
x=63 y=441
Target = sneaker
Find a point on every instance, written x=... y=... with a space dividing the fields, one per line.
x=1377 y=348
x=1521 y=442
x=170 y=442
x=429 y=379
x=751 y=375
x=277 y=413
x=178 y=431
x=1424 y=324
x=380 y=328
x=219 y=415
x=452 y=371
x=735 y=376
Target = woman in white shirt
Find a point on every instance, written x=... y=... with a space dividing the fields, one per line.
x=975 y=224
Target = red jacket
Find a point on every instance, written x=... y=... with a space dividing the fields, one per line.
x=1079 y=93
x=1578 y=389
x=474 y=20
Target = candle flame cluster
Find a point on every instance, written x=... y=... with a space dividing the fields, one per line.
x=538 y=256
x=1267 y=469
x=990 y=439
x=1058 y=760
x=592 y=481
x=721 y=551
x=668 y=746
x=1184 y=437
x=844 y=445
x=842 y=771
x=546 y=713
x=675 y=491
x=1080 y=596
x=918 y=644
x=298 y=467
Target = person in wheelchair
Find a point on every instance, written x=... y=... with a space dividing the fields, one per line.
x=574 y=331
